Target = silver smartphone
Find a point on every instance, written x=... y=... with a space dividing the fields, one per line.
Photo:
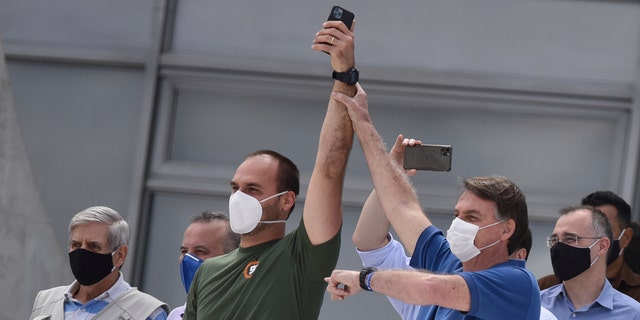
x=433 y=157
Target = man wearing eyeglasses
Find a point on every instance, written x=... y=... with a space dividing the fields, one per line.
x=622 y=277
x=579 y=246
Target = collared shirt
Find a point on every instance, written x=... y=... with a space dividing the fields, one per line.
x=391 y=256
x=546 y=314
x=627 y=282
x=611 y=304
x=177 y=313
x=76 y=310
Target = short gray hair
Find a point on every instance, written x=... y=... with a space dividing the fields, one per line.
x=118 y=227
x=599 y=222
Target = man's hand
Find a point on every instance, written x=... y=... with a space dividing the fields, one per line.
x=335 y=39
x=358 y=106
x=397 y=152
x=343 y=283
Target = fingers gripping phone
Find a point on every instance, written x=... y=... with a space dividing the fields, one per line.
x=433 y=157
x=340 y=14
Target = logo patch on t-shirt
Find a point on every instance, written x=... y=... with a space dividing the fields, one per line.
x=250 y=269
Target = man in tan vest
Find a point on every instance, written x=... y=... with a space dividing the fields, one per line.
x=98 y=247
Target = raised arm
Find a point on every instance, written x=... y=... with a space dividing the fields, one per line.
x=373 y=226
x=393 y=188
x=323 y=206
x=400 y=205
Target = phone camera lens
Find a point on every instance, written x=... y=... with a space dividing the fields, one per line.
x=445 y=152
x=337 y=13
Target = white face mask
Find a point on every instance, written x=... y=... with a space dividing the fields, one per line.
x=245 y=212
x=461 y=236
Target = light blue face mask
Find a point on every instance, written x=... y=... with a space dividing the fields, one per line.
x=188 y=268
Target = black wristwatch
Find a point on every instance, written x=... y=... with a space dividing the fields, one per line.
x=350 y=77
x=364 y=272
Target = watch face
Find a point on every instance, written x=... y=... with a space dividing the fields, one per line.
x=354 y=76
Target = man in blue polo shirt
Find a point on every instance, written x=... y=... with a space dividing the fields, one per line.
x=465 y=275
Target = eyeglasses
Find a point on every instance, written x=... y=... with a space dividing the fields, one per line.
x=570 y=239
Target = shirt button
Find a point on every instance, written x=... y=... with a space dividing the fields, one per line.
x=84 y=309
x=573 y=314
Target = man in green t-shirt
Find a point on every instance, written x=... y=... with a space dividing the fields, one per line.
x=273 y=275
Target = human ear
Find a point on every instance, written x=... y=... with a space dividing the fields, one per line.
x=603 y=245
x=120 y=255
x=508 y=229
x=519 y=254
x=288 y=200
x=626 y=237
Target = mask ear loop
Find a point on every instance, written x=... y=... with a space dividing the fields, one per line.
x=487 y=226
x=273 y=221
x=113 y=254
x=271 y=197
x=491 y=225
x=620 y=237
x=621 y=233
x=491 y=245
x=591 y=246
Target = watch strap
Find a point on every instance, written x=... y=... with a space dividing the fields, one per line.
x=365 y=278
x=349 y=77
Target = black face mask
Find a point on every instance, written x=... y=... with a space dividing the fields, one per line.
x=615 y=249
x=569 y=261
x=90 y=267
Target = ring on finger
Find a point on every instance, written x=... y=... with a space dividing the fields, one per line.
x=332 y=38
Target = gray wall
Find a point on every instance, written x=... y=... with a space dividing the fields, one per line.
x=148 y=107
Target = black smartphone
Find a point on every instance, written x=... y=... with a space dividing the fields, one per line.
x=433 y=157
x=341 y=14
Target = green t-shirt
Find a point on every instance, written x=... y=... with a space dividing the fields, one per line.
x=280 y=279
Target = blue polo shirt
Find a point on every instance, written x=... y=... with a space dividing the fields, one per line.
x=505 y=291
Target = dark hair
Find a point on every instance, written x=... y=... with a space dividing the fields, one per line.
x=599 y=221
x=510 y=203
x=288 y=175
x=602 y=198
x=526 y=244
x=231 y=239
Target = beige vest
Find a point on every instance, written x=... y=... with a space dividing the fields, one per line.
x=131 y=305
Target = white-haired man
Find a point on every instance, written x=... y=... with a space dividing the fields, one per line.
x=98 y=247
